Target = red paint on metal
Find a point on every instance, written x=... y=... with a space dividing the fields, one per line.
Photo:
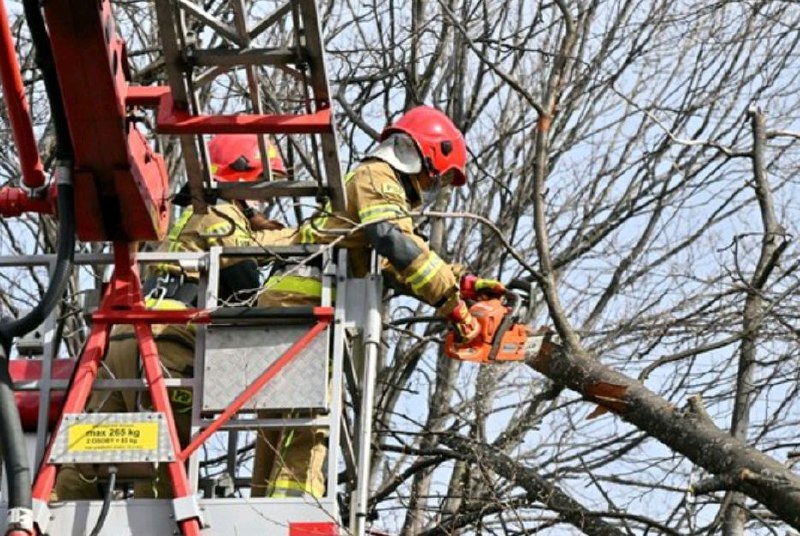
x=149 y=316
x=175 y=121
x=313 y=529
x=28 y=401
x=75 y=402
x=158 y=394
x=17 y=105
x=255 y=387
x=145 y=96
x=123 y=300
x=15 y=201
x=121 y=186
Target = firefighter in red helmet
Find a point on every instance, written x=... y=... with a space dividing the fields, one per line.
x=170 y=286
x=422 y=152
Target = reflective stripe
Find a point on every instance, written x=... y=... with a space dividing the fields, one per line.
x=177 y=229
x=166 y=304
x=291 y=488
x=163 y=268
x=219 y=226
x=381 y=212
x=307 y=286
x=426 y=272
x=306 y=235
x=319 y=220
x=174 y=244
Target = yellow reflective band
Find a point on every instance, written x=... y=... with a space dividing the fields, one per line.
x=306 y=234
x=168 y=304
x=380 y=212
x=426 y=272
x=284 y=488
x=181 y=397
x=165 y=304
x=320 y=219
x=307 y=286
x=223 y=226
x=177 y=229
x=164 y=268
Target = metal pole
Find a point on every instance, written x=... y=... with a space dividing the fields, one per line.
x=14 y=92
x=372 y=341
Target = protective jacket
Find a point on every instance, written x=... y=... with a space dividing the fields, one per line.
x=223 y=225
x=378 y=217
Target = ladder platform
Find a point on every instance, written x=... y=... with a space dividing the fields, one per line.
x=135 y=517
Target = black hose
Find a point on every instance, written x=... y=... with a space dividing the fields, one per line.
x=15 y=456
x=101 y=519
x=12 y=443
x=65 y=253
x=44 y=60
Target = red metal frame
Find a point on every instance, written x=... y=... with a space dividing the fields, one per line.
x=121 y=185
x=123 y=303
x=172 y=120
x=15 y=201
x=30 y=369
x=313 y=529
x=18 y=112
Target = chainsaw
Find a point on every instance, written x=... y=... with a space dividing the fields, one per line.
x=502 y=337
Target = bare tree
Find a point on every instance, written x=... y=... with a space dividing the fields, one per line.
x=637 y=162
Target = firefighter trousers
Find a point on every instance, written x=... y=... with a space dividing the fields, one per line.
x=122 y=362
x=288 y=462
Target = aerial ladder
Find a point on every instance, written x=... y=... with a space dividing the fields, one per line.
x=111 y=186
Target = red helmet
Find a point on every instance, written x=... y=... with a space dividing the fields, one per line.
x=235 y=157
x=438 y=140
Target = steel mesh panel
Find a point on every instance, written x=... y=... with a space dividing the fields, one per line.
x=236 y=356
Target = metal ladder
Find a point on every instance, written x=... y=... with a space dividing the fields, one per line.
x=351 y=340
x=302 y=106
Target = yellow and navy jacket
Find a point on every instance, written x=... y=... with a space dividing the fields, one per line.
x=378 y=210
x=223 y=225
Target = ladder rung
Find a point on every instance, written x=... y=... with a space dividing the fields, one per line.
x=174 y=121
x=267 y=190
x=232 y=58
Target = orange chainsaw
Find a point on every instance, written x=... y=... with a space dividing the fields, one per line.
x=501 y=338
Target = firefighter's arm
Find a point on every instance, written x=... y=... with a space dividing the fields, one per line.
x=225 y=225
x=383 y=210
x=228 y=227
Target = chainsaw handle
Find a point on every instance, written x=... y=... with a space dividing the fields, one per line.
x=514 y=302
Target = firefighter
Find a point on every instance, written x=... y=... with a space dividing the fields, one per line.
x=417 y=156
x=171 y=287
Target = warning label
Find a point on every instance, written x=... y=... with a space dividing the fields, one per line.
x=118 y=436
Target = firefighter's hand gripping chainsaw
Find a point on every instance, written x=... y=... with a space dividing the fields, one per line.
x=502 y=338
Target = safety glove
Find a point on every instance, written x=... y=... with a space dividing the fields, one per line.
x=465 y=325
x=473 y=287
